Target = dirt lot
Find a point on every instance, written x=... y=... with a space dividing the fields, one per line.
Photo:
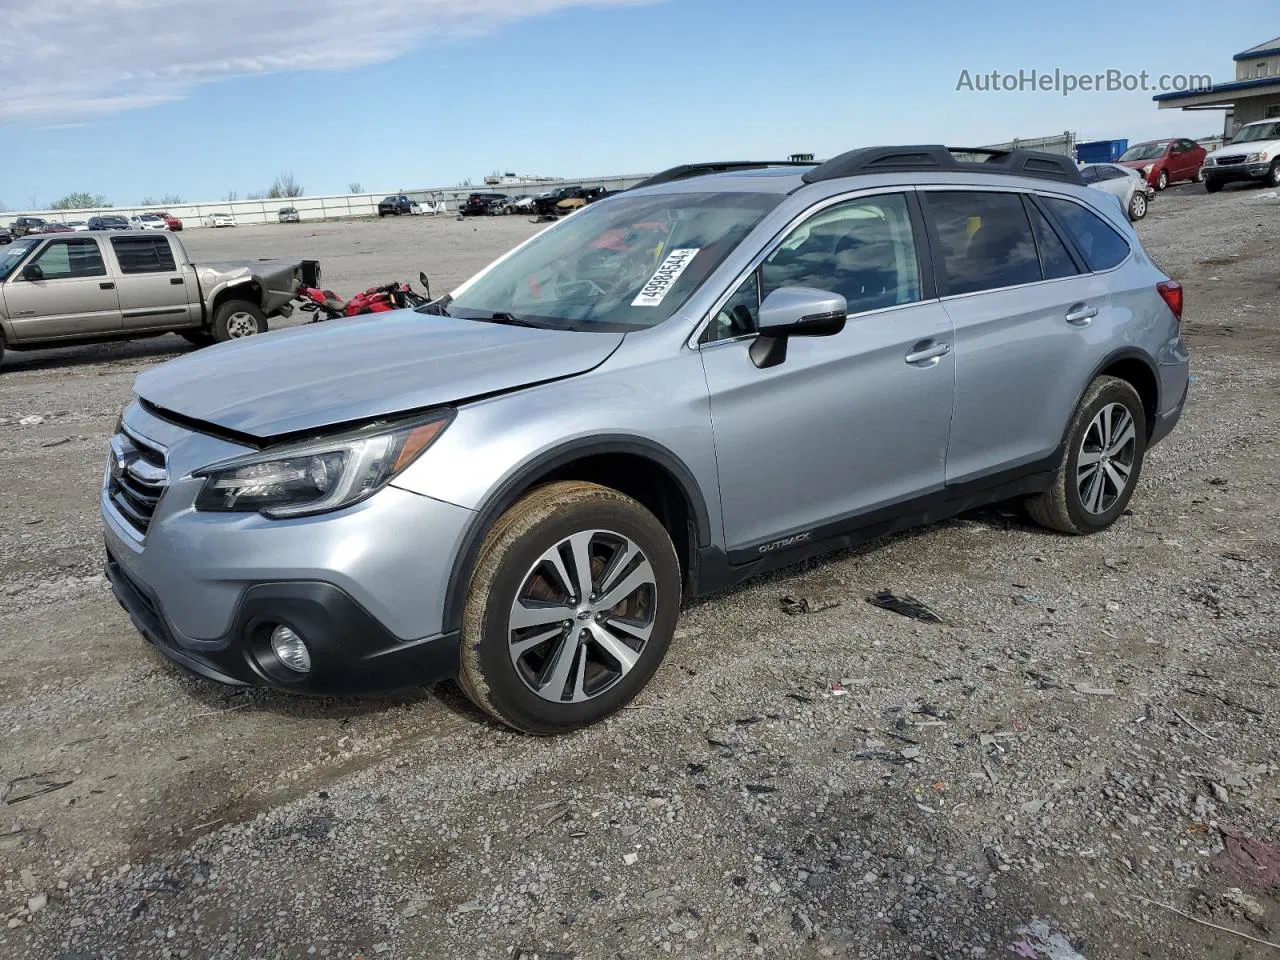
x=1043 y=776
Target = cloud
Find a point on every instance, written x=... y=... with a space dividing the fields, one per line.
x=71 y=60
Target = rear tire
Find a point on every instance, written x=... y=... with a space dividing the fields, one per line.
x=1101 y=464
x=237 y=319
x=538 y=655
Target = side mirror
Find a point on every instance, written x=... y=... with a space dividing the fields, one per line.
x=426 y=284
x=32 y=271
x=795 y=312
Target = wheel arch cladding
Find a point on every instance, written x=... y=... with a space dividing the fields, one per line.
x=642 y=470
x=1139 y=374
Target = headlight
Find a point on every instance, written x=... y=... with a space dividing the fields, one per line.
x=1148 y=168
x=316 y=476
x=1257 y=157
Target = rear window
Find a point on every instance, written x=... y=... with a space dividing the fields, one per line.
x=144 y=254
x=1100 y=244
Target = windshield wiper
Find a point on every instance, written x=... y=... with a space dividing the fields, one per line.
x=508 y=319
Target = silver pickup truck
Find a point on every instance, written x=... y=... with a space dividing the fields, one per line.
x=61 y=288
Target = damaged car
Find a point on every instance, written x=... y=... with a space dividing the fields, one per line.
x=82 y=287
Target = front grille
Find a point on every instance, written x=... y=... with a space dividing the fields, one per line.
x=137 y=479
x=1233 y=158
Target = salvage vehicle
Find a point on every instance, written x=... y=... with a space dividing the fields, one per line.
x=580 y=198
x=1253 y=154
x=78 y=226
x=673 y=390
x=545 y=203
x=24 y=225
x=484 y=204
x=397 y=205
x=516 y=205
x=288 y=215
x=1162 y=162
x=109 y=221
x=51 y=227
x=220 y=220
x=172 y=222
x=6 y=236
x=107 y=286
x=1125 y=184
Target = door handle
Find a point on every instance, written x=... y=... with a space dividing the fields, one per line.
x=106 y=286
x=927 y=353
x=1081 y=314
x=176 y=281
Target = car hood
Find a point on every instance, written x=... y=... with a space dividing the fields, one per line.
x=1253 y=146
x=344 y=371
x=1139 y=164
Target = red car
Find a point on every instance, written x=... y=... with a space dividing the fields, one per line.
x=1162 y=162
x=173 y=223
x=54 y=228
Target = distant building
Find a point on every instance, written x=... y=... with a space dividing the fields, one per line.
x=1253 y=95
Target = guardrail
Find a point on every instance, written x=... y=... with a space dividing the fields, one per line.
x=439 y=200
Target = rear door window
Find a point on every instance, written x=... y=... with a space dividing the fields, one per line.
x=985 y=238
x=144 y=254
x=1100 y=244
x=1055 y=260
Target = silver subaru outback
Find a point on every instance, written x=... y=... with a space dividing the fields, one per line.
x=725 y=370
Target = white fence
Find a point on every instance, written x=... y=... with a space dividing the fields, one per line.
x=440 y=200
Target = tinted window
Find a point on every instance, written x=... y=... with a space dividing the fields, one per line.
x=1111 y=173
x=1101 y=246
x=986 y=240
x=144 y=254
x=1055 y=261
x=1089 y=174
x=68 y=259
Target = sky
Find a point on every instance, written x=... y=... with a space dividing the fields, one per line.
x=197 y=98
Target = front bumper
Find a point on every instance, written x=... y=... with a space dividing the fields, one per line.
x=350 y=650
x=368 y=582
x=1236 y=171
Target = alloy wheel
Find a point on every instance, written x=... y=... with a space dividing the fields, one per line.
x=583 y=616
x=240 y=325
x=1106 y=458
x=1139 y=206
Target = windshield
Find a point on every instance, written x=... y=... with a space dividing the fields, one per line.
x=1257 y=131
x=1145 y=151
x=626 y=263
x=12 y=254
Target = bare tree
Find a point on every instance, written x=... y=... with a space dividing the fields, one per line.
x=355 y=187
x=284 y=186
x=231 y=196
x=258 y=195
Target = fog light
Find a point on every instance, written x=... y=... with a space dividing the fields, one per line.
x=290 y=649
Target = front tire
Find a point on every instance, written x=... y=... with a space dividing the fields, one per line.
x=237 y=319
x=571 y=608
x=1105 y=446
x=1273 y=176
x=1212 y=186
x=1137 y=205
x=1162 y=181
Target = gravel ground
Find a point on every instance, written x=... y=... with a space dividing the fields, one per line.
x=1075 y=750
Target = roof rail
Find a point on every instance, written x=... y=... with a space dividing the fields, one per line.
x=687 y=170
x=939 y=159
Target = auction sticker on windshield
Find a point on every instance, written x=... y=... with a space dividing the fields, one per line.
x=655 y=291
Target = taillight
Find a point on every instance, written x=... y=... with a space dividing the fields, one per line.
x=1171 y=292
